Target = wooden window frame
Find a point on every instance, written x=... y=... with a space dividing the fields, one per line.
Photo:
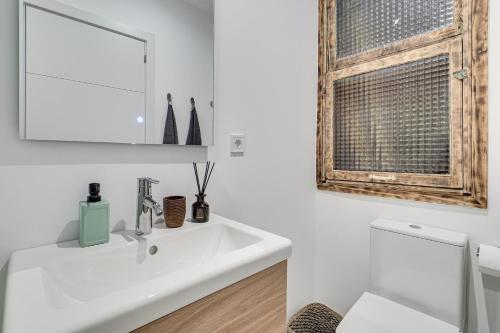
x=467 y=183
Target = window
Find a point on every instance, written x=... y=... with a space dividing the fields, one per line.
x=402 y=99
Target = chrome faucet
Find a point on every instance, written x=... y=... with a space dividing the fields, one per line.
x=145 y=206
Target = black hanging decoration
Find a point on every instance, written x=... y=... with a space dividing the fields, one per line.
x=170 y=135
x=194 y=134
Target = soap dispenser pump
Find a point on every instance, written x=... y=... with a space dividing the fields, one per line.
x=94 y=218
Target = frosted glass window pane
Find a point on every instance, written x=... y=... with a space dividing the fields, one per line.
x=394 y=119
x=363 y=25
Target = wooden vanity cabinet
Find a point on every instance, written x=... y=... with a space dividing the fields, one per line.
x=255 y=304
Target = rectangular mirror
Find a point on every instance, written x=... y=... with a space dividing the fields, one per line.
x=117 y=71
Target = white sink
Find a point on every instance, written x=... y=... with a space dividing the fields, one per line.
x=120 y=286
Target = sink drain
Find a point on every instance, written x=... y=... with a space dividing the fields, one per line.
x=153 y=250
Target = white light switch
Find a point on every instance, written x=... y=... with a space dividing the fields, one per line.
x=237 y=143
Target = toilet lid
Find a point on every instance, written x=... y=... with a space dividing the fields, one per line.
x=375 y=314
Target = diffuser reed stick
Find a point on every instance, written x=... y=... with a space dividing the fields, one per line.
x=208 y=178
x=209 y=168
x=197 y=178
x=205 y=178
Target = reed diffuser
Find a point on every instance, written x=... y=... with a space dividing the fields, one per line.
x=200 y=212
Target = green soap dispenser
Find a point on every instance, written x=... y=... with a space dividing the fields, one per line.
x=94 y=218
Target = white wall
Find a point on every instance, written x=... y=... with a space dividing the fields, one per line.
x=266 y=83
x=342 y=227
x=42 y=182
x=266 y=88
x=184 y=40
x=266 y=73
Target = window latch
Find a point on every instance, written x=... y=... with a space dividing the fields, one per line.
x=461 y=74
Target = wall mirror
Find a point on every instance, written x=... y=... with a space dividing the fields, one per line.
x=119 y=71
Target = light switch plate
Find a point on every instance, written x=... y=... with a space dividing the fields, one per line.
x=237 y=143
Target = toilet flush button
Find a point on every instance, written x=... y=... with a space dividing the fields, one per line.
x=414 y=226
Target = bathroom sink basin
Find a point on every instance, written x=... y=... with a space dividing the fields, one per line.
x=132 y=280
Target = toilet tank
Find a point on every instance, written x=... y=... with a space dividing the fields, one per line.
x=420 y=267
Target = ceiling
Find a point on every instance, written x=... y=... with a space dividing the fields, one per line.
x=205 y=5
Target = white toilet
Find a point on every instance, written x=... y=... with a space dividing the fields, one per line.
x=417 y=282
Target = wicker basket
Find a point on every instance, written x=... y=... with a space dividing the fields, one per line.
x=314 y=318
x=174 y=210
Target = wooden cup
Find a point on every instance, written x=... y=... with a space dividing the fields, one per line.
x=174 y=211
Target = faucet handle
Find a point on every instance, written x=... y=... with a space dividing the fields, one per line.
x=154 y=181
x=146 y=181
